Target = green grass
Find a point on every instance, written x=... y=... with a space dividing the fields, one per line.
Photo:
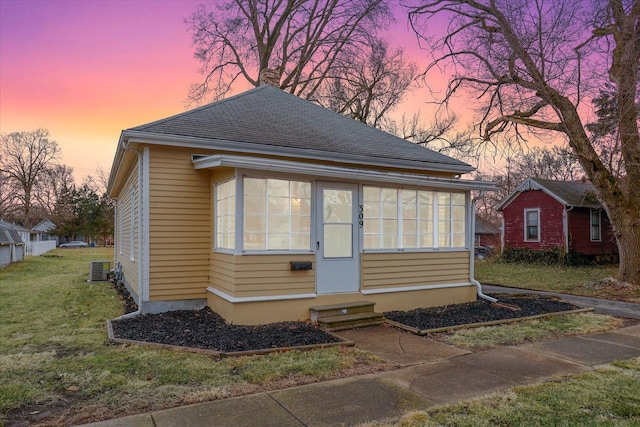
x=55 y=355
x=609 y=396
x=531 y=330
x=569 y=280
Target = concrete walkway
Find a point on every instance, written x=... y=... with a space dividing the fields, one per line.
x=434 y=374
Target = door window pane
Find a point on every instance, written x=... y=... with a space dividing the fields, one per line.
x=338 y=241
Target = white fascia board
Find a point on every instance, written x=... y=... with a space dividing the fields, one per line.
x=273 y=150
x=257 y=163
x=528 y=184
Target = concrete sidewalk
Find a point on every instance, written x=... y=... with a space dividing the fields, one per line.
x=434 y=374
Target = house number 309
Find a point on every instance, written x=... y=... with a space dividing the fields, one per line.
x=360 y=215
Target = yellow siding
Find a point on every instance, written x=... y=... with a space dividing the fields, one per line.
x=125 y=253
x=179 y=226
x=260 y=275
x=398 y=269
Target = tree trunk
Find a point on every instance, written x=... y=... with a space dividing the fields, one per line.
x=627 y=231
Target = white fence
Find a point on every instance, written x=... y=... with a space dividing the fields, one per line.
x=39 y=248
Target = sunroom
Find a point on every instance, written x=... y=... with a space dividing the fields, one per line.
x=288 y=235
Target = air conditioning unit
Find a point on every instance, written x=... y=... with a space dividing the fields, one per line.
x=99 y=271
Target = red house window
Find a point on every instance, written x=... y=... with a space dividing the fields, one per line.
x=532 y=225
x=595 y=226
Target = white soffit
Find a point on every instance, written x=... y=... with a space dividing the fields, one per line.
x=264 y=164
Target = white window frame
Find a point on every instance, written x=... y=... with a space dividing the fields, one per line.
x=591 y=224
x=526 y=225
x=216 y=212
x=435 y=221
x=120 y=227
x=241 y=228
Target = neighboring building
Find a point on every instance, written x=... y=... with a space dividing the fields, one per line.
x=42 y=231
x=487 y=237
x=544 y=214
x=263 y=204
x=12 y=248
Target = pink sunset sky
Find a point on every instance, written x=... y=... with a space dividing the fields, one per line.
x=86 y=69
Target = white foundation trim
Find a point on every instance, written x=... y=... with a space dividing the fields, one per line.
x=414 y=288
x=229 y=298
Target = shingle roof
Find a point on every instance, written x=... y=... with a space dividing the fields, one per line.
x=267 y=116
x=579 y=194
x=485 y=227
x=573 y=193
x=9 y=236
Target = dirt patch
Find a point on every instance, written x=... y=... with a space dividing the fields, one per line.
x=207 y=330
x=477 y=312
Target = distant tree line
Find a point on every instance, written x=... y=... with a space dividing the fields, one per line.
x=34 y=186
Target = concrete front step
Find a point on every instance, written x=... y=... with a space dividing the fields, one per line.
x=318 y=312
x=350 y=321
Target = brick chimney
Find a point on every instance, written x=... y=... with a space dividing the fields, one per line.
x=269 y=76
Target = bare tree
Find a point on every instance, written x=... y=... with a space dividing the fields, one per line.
x=527 y=63
x=25 y=157
x=55 y=183
x=368 y=86
x=300 y=42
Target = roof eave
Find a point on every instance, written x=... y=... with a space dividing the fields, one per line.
x=311 y=154
x=256 y=163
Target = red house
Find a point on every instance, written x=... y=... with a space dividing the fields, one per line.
x=544 y=214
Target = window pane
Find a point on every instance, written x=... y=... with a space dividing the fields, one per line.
x=301 y=224
x=278 y=224
x=300 y=241
x=458 y=213
x=255 y=204
x=410 y=226
x=458 y=241
x=458 y=199
x=426 y=240
x=389 y=195
x=389 y=241
x=337 y=240
x=337 y=206
x=426 y=197
x=389 y=210
x=301 y=190
x=277 y=241
x=458 y=226
x=371 y=226
x=371 y=194
x=254 y=186
x=409 y=241
x=371 y=241
x=278 y=205
x=371 y=210
x=278 y=188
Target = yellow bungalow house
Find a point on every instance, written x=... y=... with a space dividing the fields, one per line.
x=264 y=204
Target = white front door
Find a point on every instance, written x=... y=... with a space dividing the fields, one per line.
x=337 y=256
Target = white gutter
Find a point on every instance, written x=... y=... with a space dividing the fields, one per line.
x=125 y=147
x=472 y=232
x=257 y=163
x=274 y=150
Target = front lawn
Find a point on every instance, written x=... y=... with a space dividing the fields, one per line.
x=584 y=281
x=58 y=368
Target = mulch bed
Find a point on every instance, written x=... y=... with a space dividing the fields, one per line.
x=477 y=312
x=205 y=329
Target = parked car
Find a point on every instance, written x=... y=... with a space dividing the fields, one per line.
x=74 y=244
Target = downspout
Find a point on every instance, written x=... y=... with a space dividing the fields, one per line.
x=125 y=146
x=472 y=232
